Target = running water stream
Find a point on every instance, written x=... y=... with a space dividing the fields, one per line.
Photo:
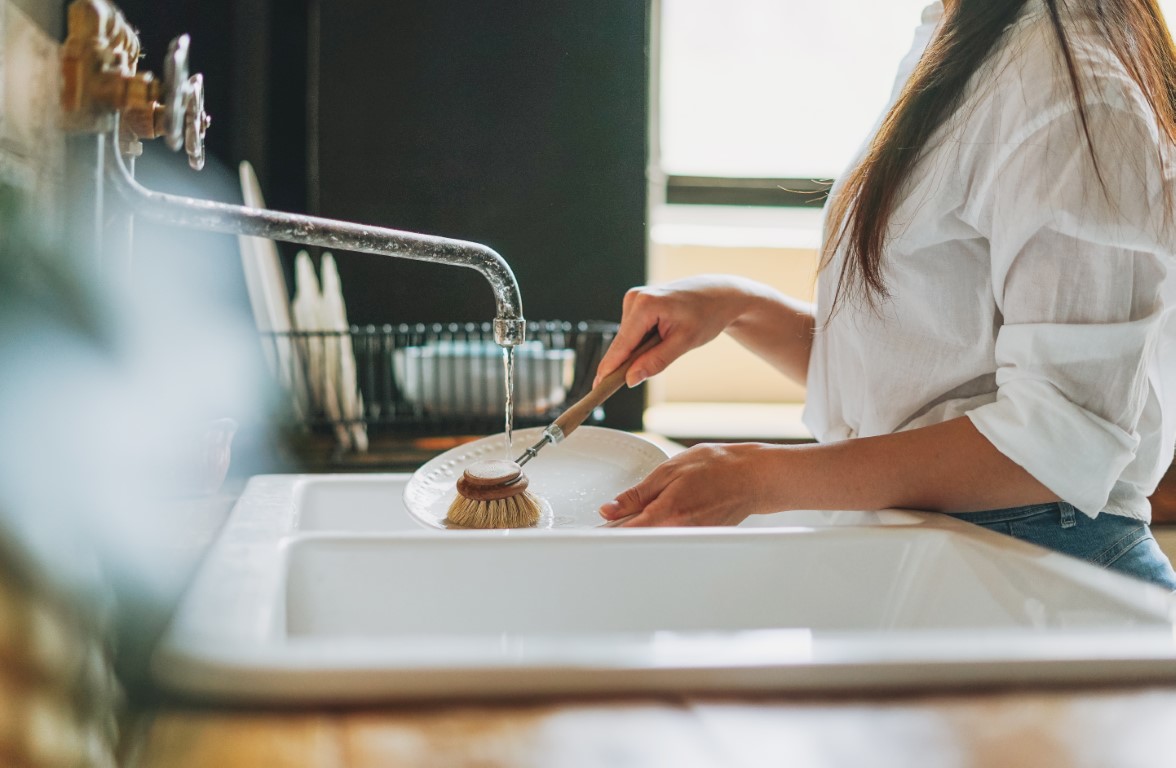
x=508 y=371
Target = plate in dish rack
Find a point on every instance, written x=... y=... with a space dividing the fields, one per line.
x=572 y=479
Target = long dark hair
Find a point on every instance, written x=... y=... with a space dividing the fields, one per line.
x=859 y=216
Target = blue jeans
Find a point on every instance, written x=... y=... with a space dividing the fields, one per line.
x=1111 y=541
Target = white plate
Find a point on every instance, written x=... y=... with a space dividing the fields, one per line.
x=270 y=299
x=574 y=478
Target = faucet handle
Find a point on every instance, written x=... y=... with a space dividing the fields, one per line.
x=175 y=85
x=196 y=122
x=185 y=121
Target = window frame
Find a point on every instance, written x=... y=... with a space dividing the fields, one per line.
x=722 y=190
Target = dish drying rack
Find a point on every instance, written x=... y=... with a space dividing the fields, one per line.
x=434 y=380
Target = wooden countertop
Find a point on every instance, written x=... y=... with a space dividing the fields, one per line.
x=1042 y=729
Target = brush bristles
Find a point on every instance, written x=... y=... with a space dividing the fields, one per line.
x=518 y=511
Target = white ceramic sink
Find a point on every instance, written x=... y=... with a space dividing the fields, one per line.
x=352 y=504
x=323 y=588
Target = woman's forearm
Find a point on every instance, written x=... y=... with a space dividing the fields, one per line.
x=948 y=467
x=778 y=329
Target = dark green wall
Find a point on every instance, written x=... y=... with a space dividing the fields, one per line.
x=520 y=125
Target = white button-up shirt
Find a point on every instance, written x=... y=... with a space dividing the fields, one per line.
x=1022 y=294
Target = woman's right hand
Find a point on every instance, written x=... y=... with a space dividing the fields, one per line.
x=687 y=313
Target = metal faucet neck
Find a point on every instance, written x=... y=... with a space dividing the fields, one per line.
x=509 y=325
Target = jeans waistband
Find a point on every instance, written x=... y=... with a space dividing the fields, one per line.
x=1066 y=512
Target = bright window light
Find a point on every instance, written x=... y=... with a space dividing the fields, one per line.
x=778 y=88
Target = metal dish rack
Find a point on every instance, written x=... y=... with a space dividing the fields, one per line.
x=442 y=379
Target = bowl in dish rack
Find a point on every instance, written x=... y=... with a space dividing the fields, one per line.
x=467 y=377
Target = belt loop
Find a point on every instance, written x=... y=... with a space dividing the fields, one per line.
x=1069 y=520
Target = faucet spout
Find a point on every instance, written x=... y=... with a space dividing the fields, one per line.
x=509 y=325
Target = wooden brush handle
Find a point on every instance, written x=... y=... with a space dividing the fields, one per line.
x=577 y=414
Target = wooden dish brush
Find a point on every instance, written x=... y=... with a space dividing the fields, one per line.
x=493 y=494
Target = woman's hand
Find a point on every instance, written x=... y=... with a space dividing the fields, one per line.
x=690 y=312
x=687 y=313
x=705 y=485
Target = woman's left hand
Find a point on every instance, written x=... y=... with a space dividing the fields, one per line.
x=708 y=484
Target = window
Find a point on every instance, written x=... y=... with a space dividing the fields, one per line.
x=773 y=93
x=776 y=89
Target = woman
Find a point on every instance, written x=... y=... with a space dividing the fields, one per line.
x=991 y=315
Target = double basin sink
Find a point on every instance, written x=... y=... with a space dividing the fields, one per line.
x=322 y=588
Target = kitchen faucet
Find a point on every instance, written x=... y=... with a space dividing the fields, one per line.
x=105 y=95
x=509 y=325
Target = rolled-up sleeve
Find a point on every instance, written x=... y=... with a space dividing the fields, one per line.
x=1077 y=262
